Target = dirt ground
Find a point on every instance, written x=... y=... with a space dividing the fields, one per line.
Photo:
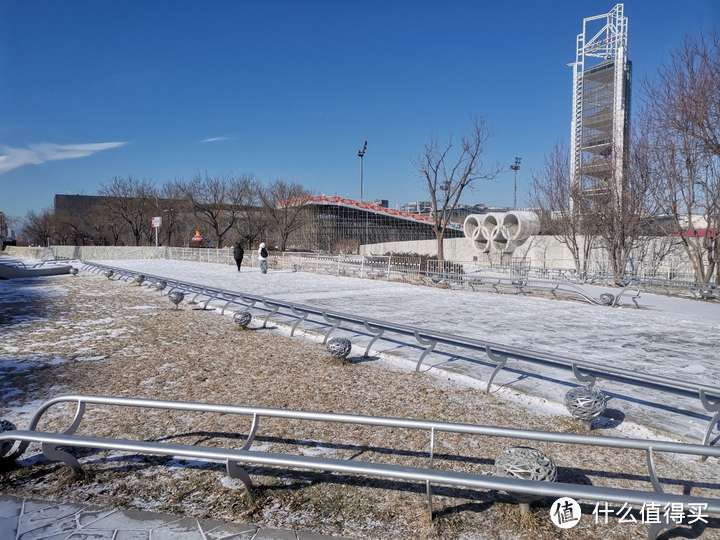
x=88 y=335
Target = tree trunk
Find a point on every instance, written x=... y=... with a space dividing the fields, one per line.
x=618 y=261
x=440 y=245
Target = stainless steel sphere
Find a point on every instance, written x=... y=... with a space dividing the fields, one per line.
x=339 y=347
x=108 y=273
x=6 y=446
x=585 y=403
x=176 y=297
x=607 y=299
x=74 y=271
x=139 y=279
x=160 y=285
x=242 y=318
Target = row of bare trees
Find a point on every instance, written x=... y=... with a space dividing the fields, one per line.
x=669 y=187
x=224 y=209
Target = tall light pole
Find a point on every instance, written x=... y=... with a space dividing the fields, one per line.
x=361 y=155
x=515 y=167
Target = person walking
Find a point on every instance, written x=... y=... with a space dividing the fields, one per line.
x=238 y=254
x=263 y=258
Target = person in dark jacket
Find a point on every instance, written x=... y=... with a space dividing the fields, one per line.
x=238 y=254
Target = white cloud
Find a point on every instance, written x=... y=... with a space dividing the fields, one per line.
x=215 y=139
x=35 y=154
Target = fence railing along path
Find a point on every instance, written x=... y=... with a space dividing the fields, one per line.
x=583 y=371
x=233 y=458
x=404 y=268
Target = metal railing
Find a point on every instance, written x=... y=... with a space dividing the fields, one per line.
x=42 y=264
x=51 y=443
x=667 y=279
x=584 y=371
x=467 y=275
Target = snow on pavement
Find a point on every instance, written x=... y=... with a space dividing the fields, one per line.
x=673 y=337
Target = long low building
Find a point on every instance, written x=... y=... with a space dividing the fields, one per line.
x=339 y=224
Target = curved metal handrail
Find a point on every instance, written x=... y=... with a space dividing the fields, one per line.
x=231 y=457
x=384 y=421
x=50 y=443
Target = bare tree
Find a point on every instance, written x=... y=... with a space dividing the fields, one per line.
x=252 y=223
x=103 y=228
x=284 y=204
x=448 y=171
x=652 y=251
x=131 y=201
x=38 y=227
x=624 y=207
x=561 y=207
x=684 y=121
x=218 y=201
x=172 y=207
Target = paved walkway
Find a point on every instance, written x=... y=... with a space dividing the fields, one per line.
x=26 y=519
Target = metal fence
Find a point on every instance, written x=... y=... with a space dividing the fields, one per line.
x=459 y=273
x=232 y=458
x=403 y=267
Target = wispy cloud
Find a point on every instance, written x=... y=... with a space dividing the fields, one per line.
x=215 y=139
x=35 y=154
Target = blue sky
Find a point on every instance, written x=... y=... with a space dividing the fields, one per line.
x=292 y=88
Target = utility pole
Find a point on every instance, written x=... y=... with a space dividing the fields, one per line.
x=515 y=167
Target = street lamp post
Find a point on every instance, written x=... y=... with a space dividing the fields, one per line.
x=515 y=167
x=361 y=155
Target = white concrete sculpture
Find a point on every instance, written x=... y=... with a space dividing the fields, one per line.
x=490 y=223
x=520 y=225
x=500 y=231
x=475 y=232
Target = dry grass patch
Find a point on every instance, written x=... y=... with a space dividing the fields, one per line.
x=118 y=339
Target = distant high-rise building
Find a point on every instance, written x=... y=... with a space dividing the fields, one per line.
x=601 y=104
x=3 y=226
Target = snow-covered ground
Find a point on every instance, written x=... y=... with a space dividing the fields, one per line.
x=671 y=337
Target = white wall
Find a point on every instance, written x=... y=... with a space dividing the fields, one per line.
x=538 y=251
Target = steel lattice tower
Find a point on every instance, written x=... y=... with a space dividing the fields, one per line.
x=601 y=104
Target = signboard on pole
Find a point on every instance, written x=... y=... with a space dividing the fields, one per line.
x=156 y=222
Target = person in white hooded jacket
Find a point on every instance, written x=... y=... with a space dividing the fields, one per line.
x=263 y=258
